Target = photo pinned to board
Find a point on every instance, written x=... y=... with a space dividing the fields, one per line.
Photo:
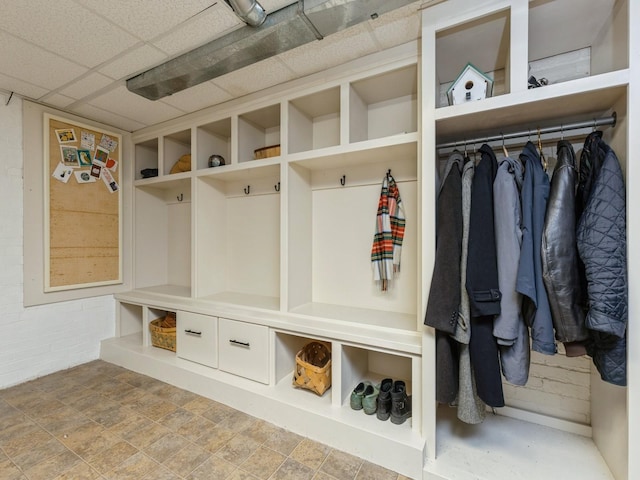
x=109 y=181
x=62 y=172
x=84 y=157
x=96 y=171
x=88 y=140
x=100 y=157
x=66 y=135
x=112 y=164
x=108 y=143
x=84 y=176
x=69 y=155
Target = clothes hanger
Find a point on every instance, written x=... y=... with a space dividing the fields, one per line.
x=504 y=148
x=544 y=160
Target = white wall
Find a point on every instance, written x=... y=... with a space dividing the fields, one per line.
x=39 y=340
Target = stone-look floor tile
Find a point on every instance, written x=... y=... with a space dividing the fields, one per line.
x=310 y=453
x=214 y=467
x=111 y=387
x=146 y=436
x=37 y=404
x=283 y=441
x=172 y=394
x=369 y=471
x=166 y=446
x=134 y=468
x=176 y=419
x=199 y=405
x=111 y=457
x=25 y=442
x=237 y=421
x=18 y=427
x=53 y=466
x=292 y=470
x=260 y=431
x=132 y=378
x=240 y=474
x=132 y=396
x=187 y=460
x=88 y=445
x=263 y=463
x=70 y=393
x=215 y=438
x=238 y=449
x=195 y=428
x=97 y=381
x=62 y=421
x=85 y=402
x=79 y=437
x=217 y=412
x=341 y=465
x=108 y=414
x=153 y=407
x=130 y=425
x=322 y=476
x=80 y=471
x=38 y=453
x=402 y=477
x=161 y=473
x=8 y=471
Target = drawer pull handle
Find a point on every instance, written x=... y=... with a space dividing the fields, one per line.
x=193 y=332
x=240 y=344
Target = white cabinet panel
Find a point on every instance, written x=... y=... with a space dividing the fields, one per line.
x=244 y=349
x=197 y=338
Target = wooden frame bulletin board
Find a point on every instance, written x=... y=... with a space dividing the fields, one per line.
x=83 y=205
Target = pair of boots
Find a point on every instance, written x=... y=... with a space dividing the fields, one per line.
x=393 y=401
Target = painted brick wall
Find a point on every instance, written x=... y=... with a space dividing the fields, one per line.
x=38 y=340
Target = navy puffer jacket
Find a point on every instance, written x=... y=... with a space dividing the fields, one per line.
x=602 y=243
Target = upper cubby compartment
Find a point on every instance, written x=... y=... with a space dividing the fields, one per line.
x=175 y=146
x=483 y=42
x=259 y=134
x=314 y=121
x=213 y=139
x=384 y=105
x=146 y=158
x=562 y=50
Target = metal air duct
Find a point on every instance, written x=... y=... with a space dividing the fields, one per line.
x=249 y=11
x=282 y=30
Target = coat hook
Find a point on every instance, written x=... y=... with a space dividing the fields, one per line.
x=343 y=180
x=10 y=97
x=247 y=190
x=388 y=172
x=277 y=187
x=180 y=197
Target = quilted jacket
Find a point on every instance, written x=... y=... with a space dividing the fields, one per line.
x=601 y=239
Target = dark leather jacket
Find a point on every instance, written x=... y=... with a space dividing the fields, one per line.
x=559 y=252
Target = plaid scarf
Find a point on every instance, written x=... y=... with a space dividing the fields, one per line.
x=387 y=241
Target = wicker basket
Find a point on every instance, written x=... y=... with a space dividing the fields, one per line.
x=313 y=368
x=266 y=152
x=163 y=332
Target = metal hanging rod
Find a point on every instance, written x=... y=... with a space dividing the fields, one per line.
x=596 y=122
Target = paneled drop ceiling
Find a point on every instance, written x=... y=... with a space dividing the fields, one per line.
x=76 y=55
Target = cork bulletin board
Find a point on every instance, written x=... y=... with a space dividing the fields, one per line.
x=83 y=205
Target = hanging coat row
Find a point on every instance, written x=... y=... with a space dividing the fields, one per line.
x=508 y=277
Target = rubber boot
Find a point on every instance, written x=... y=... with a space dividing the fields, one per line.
x=400 y=403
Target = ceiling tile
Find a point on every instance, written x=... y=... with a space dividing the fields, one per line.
x=273 y=5
x=108 y=118
x=199 y=30
x=69 y=30
x=133 y=62
x=32 y=64
x=122 y=101
x=333 y=50
x=397 y=27
x=86 y=86
x=57 y=100
x=255 y=77
x=20 y=87
x=198 y=97
x=147 y=18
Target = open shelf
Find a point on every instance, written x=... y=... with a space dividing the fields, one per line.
x=175 y=146
x=314 y=121
x=146 y=156
x=237 y=256
x=258 y=129
x=163 y=220
x=213 y=138
x=384 y=105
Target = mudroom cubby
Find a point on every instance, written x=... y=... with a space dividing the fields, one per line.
x=213 y=138
x=237 y=257
x=175 y=145
x=258 y=129
x=384 y=105
x=163 y=236
x=314 y=121
x=329 y=272
x=146 y=156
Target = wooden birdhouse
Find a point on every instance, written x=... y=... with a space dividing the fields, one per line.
x=471 y=85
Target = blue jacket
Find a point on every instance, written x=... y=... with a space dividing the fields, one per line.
x=535 y=193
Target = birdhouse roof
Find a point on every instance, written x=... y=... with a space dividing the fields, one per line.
x=473 y=68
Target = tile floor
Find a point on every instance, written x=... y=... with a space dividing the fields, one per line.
x=101 y=421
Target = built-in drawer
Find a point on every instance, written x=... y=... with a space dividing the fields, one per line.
x=244 y=349
x=197 y=338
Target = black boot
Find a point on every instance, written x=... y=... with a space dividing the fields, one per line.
x=383 y=410
x=400 y=403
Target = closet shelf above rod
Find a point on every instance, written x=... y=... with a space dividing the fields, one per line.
x=596 y=122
